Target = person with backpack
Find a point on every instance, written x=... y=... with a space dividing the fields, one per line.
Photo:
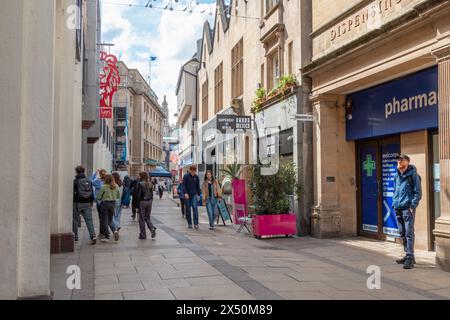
x=118 y=211
x=134 y=200
x=108 y=195
x=83 y=199
x=407 y=195
x=145 y=198
x=192 y=192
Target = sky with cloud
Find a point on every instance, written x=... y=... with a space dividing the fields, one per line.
x=170 y=35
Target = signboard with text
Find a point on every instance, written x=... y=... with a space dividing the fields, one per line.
x=389 y=170
x=403 y=105
x=106 y=113
x=225 y=122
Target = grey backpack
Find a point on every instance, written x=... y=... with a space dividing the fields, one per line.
x=84 y=189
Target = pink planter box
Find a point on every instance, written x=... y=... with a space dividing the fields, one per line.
x=275 y=225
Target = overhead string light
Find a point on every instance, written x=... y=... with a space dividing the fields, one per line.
x=187 y=6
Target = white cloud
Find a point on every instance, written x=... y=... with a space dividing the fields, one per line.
x=173 y=42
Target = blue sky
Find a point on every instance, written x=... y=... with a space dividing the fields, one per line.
x=139 y=32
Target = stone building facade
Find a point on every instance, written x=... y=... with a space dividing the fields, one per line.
x=380 y=77
x=251 y=45
x=40 y=133
x=145 y=118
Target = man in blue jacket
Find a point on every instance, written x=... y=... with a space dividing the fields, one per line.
x=407 y=195
x=191 y=187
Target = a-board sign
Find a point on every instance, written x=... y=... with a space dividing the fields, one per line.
x=223 y=211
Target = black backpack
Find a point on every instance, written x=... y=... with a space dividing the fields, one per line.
x=84 y=189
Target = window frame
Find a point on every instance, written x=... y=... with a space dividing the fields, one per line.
x=218 y=88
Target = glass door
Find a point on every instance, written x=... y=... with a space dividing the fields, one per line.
x=368 y=189
x=376 y=172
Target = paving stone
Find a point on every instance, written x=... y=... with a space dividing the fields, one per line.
x=149 y=276
x=108 y=296
x=172 y=283
x=115 y=271
x=304 y=295
x=119 y=287
x=149 y=295
x=209 y=281
x=111 y=279
x=206 y=291
x=164 y=274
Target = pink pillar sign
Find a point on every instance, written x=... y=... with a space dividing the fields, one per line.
x=239 y=200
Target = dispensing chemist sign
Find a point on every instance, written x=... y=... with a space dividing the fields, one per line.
x=403 y=105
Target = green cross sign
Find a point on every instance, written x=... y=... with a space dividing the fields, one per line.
x=369 y=165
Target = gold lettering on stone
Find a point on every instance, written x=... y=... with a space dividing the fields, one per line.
x=376 y=10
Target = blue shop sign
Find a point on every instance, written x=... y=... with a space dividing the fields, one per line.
x=403 y=105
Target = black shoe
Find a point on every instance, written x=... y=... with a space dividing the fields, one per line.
x=141 y=237
x=402 y=260
x=153 y=231
x=76 y=239
x=409 y=263
x=189 y=226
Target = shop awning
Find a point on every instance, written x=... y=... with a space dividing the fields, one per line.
x=160 y=172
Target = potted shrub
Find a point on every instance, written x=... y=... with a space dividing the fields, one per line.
x=260 y=97
x=271 y=193
x=287 y=83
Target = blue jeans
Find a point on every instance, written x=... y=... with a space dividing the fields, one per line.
x=118 y=215
x=211 y=204
x=192 y=203
x=405 y=219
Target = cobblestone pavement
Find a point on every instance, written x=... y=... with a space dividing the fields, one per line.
x=223 y=264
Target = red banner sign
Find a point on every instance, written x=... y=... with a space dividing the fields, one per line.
x=106 y=113
x=109 y=82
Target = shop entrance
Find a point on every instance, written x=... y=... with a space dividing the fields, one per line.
x=377 y=167
x=435 y=185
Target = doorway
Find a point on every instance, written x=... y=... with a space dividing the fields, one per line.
x=376 y=169
x=435 y=186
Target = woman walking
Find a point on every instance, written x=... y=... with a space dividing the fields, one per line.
x=118 y=210
x=211 y=194
x=145 y=198
x=107 y=196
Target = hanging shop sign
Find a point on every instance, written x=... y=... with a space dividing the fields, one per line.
x=403 y=105
x=227 y=122
x=109 y=82
x=243 y=123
